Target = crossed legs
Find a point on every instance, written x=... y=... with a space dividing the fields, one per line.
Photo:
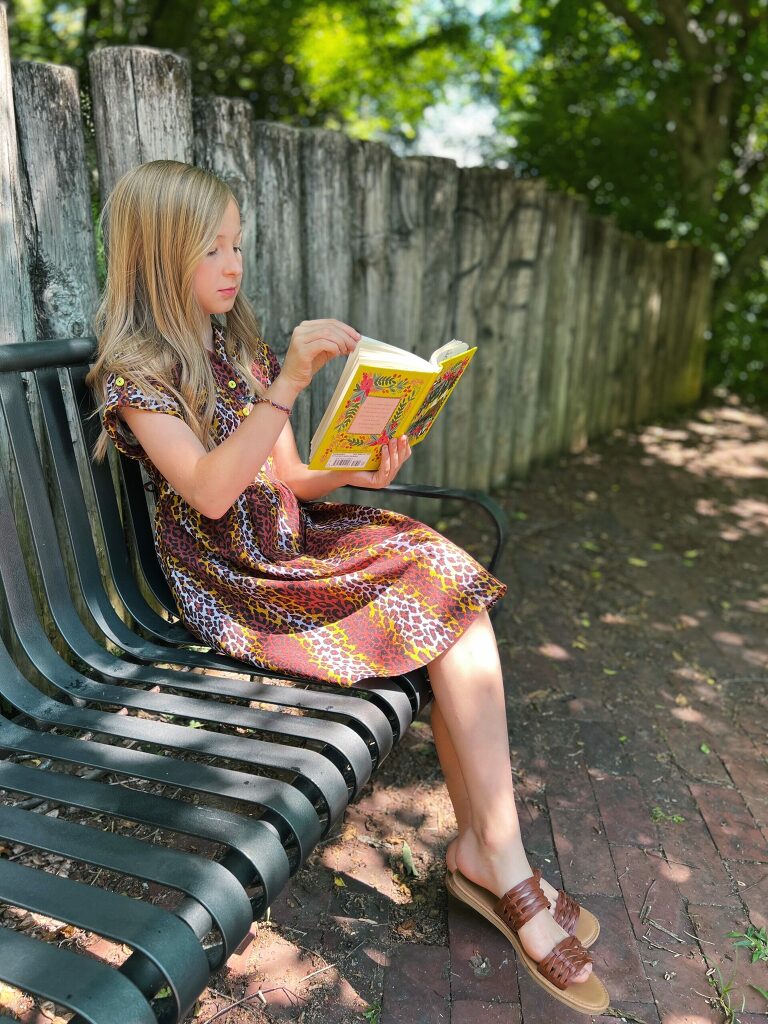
x=470 y=727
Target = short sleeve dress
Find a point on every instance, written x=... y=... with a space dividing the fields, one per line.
x=330 y=591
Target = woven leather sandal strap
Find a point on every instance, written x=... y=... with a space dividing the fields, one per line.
x=567 y=912
x=522 y=902
x=564 y=961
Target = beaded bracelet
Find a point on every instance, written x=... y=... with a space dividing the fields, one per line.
x=275 y=405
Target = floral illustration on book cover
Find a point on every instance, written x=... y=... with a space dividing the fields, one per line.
x=377 y=398
x=436 y=398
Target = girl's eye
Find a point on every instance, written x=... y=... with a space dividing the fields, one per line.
x=213 y=252
x=237 y=248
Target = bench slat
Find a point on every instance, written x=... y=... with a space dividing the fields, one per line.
x=169 y=943
x=256 y=853
x=288 y=810
x=207 y=882
x=100 y=994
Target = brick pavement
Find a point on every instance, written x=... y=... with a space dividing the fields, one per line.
x=638 y=708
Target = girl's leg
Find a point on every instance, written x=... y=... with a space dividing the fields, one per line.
x=469 y=693
x=454 y=780
x=457 y=791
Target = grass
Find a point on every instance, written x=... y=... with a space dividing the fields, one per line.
x=658 y=815
x=722 y=999
x=755 y=940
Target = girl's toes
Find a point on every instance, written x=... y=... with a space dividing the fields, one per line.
x=583 y=974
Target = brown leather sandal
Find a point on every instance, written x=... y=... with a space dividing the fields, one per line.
x=566 y=959
x=572 y=918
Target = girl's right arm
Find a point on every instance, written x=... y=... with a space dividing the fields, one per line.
x=212 y=481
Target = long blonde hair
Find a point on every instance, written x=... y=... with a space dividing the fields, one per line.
x=159 y=221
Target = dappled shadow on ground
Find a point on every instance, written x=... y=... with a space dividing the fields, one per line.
x=636 y=657
x=635 y=650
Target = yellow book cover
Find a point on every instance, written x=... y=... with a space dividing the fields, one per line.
x=384 y=392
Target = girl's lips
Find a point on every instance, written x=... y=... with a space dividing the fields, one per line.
x=227 y=291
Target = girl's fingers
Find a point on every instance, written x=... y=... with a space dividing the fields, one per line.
x=345 y=328
x=333 y=328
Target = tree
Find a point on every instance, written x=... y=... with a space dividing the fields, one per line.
x=371 y=66
x=655 y=110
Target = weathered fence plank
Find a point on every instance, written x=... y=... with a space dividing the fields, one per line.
x=58 y=223
x=617 y=349
x=326 y=242
x=436 y=280
x=691 y=370
x=370 y=166
x=485 y=252
x=224 y=144
x=16 y=312
x=575 y=438
x=650 y=288
x=528 y=385
x=604 y=324
x=679 y=351
x=279 y=286
x=142 y=109
x=514 y=297
x=566 y=327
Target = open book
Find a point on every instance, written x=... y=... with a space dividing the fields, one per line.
x=383 y=392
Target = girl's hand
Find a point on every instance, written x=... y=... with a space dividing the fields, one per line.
x=393 y=455
x=313 y=343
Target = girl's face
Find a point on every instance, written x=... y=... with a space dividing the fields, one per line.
x=216 y=279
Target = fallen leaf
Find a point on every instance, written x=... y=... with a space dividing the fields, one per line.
x=339 y=882
x=408 y=864
x=407 y=929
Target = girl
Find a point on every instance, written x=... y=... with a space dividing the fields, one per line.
x=265 y=572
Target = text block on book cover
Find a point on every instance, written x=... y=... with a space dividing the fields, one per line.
x=374 y=414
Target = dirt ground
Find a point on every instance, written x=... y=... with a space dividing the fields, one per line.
x=634 y=644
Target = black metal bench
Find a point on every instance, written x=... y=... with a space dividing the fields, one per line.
x=103 y=715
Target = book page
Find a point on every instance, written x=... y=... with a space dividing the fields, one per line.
x=448 y=351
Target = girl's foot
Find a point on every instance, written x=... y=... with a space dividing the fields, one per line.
x=549 y=891
x=497 y=867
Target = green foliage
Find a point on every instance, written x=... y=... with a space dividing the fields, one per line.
x=739 y=358
x=660 y=816
x=755 y=940
x=371 y=66
x=614 y=101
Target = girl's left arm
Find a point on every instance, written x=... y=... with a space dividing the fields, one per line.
x=310 y=484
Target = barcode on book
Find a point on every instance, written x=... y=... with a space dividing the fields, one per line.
x=345 y=460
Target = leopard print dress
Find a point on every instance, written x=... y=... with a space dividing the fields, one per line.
x=330 y=591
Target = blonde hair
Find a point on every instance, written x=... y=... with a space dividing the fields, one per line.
x=160 y=220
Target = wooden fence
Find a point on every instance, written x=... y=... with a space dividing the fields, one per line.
x=581 y=328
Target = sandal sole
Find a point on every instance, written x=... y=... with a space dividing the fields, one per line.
x=593 y=998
